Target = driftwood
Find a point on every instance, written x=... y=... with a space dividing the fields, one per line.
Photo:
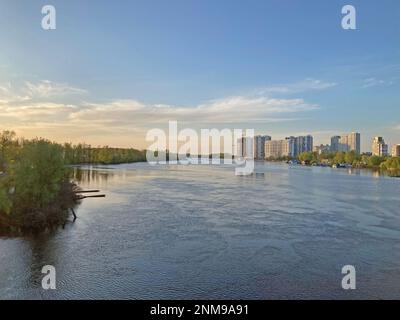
x=73 y=213
x=79 y=196
x=96 y=196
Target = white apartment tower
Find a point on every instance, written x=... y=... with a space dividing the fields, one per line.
x=259 y=146
x=396 y=150
x=347 y=142
x=379 y=147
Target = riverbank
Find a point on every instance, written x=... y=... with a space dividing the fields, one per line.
x=36 y=192
x=395 y=173
x=348 y=160
x=35 y=188
x=28 y=221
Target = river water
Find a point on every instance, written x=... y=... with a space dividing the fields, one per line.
x=200 y=232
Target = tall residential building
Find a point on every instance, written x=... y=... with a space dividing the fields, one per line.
x=245 y=147
x=345 y=143
x=278 y=148
x=379 y=147
x=303 y=144
x=259 y=146
x=396 y=150
x=335 y=143
x=354 y=142
x=290 y=147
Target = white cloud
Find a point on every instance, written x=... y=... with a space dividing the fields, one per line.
x=239 y=109
x=308 y=84
x=40 y=91
x=46 y=89
x=34 y=111
x=374 y=82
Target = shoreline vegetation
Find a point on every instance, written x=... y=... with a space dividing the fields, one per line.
x=346 y=160
x=36 y=188
x=340 y=159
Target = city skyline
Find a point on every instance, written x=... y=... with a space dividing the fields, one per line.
x=283 y=70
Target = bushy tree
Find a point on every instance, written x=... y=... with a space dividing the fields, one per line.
x=35 y=191
x=351 y=157
x=38 y=173
x=391 y=164
x=375 y=161
x=308 y=157
x=340 y=157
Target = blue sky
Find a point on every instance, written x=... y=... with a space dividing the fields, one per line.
x=113 y=69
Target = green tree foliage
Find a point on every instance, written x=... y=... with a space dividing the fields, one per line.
x=375 y=161
x=82 y=153
x=35 y=191
x=360 y=161
x=351 y=157
x=308 y=157
x=340 y=157
x=391 y=164
x=38 y=173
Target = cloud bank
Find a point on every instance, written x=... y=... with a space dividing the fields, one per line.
x=35 y=109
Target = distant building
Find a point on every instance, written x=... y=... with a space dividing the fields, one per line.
x=354 y=142
x=245 y=147
x=252 y=147
x=379 y=147
x=335 y=141
x=303 y=144
x=259 y=146
x=345 y=143
x=322 y=148
x=290 y=147
x=396 y=150
x=278 y=148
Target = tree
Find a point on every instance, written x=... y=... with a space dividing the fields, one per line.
x=350 y=157
x=391 y=164
x=375 y=161
x=38 y=173
x=339 y=157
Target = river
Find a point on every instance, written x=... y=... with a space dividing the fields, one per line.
x=200 y=232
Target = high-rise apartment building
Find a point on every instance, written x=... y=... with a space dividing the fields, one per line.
x=245 y=147
x=303 y=144
x=278 y=148
x=354 y=142
x=396 y=150
x=345 y=143
x=290 y=147
x=249 y=147
x=335 y=141
x=259 y=146
x=379 y=147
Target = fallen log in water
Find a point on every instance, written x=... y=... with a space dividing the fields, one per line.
x=79 y=196
x=96 y=196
